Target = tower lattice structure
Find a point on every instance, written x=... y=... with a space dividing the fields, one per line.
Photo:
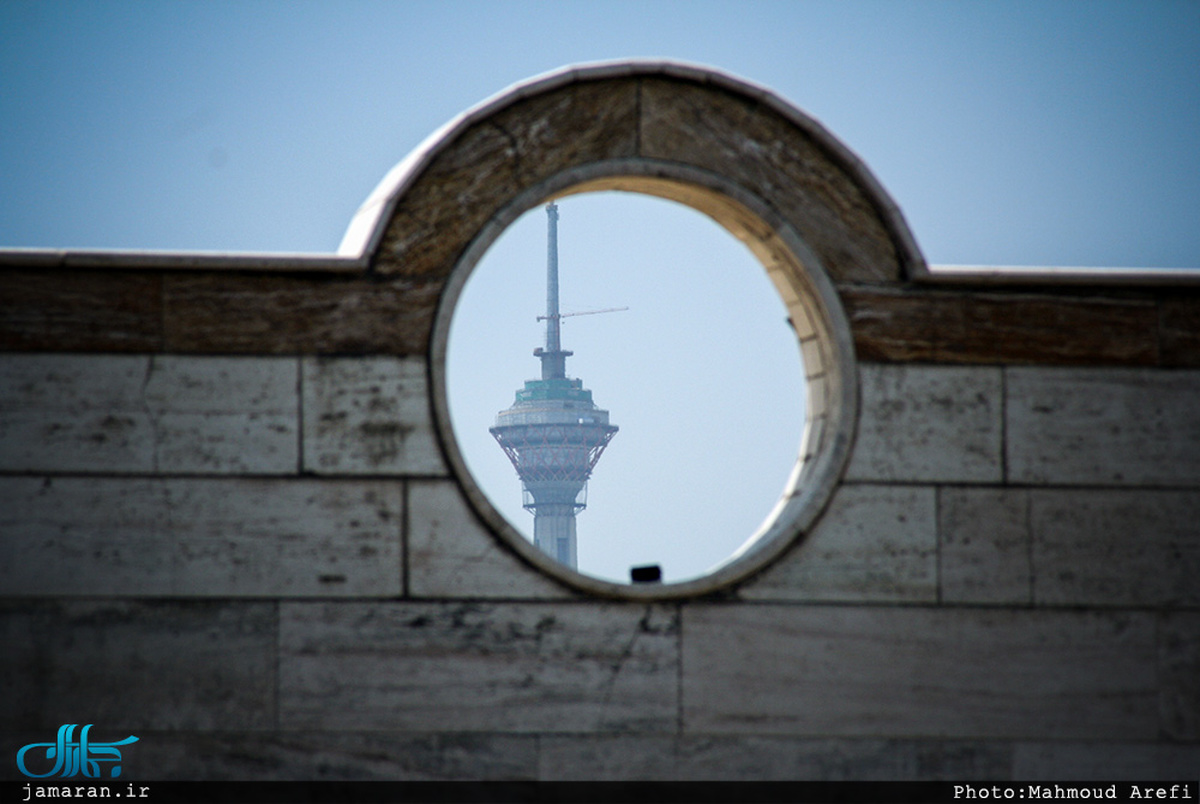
x=553 y=433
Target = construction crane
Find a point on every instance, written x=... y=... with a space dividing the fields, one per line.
x=585 y=312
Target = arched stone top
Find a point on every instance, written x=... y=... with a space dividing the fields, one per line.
x=767 y=173
x=426 y=211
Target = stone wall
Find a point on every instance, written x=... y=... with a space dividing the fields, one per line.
x=230 y=525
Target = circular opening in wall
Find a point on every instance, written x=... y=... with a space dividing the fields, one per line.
x=682 y=420
x=664 y=429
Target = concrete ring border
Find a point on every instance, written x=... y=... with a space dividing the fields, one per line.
x=795 y=268
x=832 y=409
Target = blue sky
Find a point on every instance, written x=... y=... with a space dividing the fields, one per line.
x=1008 y=132
x=1022 y=133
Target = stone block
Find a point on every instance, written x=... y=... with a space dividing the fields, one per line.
x=84 y=536
x=928 y=424
x=487 y=164
x=607 y=758
x=1179 y=676
x=752 y=145
x=1115 y=547
x=452 y=555
x=758 y=758
x=226 y=415
x=1054 y=762
x=286 y=538
x=368 y=416
x=518 y=668
x=128 y=666
x=333 y=756
x=984 y=545
x=755 y=758
x=966 y=673
x=127 y=413
x=1179 y=328
x=19 y=671
x=874 y=543
x=225 y=313
x=924 y=325
x=244 y=537
x=81 y=311
x=1103 y=427
x=82 y=413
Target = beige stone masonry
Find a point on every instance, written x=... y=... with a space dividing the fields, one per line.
x=767 y=758
x=1117 y=427
x=919 y=672
x=320 y=755
x=984 y=546
x=1052 y=762
x=928 y=424
x=451 y=554
x=368 y=416
x=143 y=537
x=228 y=415
x=1179 y=677
x=74 y=413
x=509 y=667
x=445 y=192
x=148 y=413
x=875 y=543
x=1115 y=547
x=170 y=665
x=1069 y=547
x=756 y=147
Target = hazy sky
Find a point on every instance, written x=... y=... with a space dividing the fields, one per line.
x=1037 y=133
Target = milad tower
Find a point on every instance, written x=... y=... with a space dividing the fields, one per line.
x=554 y=433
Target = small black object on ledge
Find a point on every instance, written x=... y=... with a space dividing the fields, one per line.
x=650 y=573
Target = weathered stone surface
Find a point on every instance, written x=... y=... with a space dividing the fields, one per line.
x=928 y=424
x=84 y=536
x=607 y=758
x=874 y=543
x=22 y=664
x=1179 y=675
x=130 y=666
x=228 y=415
x=1054 y=762
x=983 y=537
x=296 y=314
x=784 y=758
x=922 y=672
x=333 y=756
x=86 y=311
x=1113 y=427
x=1115 y=547
x=257 y=537
x=907 y=325
x=126 y=413
x=368 y=416
x=1179 y=329
x=490 y=162
x=244 y=537
x=472 y=667
x=75 y=413
x=757 y=758
x=752 y=145
x=451 y=554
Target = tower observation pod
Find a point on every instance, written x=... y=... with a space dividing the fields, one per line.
x=554 y=434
